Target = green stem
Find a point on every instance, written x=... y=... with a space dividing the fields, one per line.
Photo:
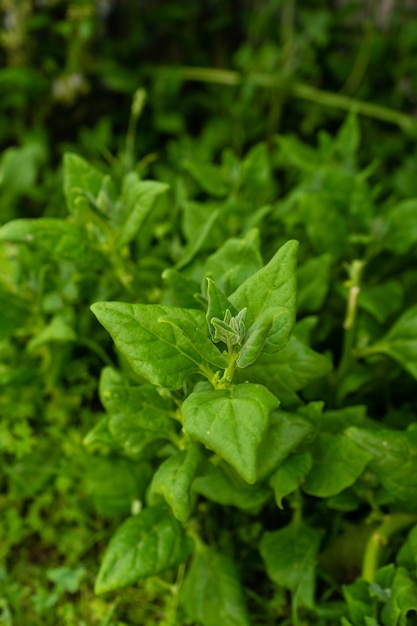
x=226 y=380
x=380 y=538
x=298 y=90
x=355 y=273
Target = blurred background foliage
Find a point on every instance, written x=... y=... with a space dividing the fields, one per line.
x=217 y=73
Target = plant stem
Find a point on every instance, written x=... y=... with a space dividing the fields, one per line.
x=355 y=272
x=379 y=538
x=298 y=90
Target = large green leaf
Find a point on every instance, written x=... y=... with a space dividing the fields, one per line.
x=144 y=545
x=137 y=415
x=212 y=594
x=193 y=327
x=395 y=458
x=231 y=422
x=173 y=480
x=270 y=297
x=221 y=484
x=139 y=198
x=288 y=477
x=336 y=465
x=290 y=556
x=286 y=431
x=158 y=351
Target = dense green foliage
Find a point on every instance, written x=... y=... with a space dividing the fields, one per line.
x=237 y=445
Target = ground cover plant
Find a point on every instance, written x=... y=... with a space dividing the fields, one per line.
x=237 y=444
x=259 y=409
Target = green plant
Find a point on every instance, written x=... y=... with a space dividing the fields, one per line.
x=274 y=476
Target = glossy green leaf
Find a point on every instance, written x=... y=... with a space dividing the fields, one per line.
x=173 y=480
x=290 y=557
x=139 y=198
x=158 y=351
x=192 y=325
x=285 y=433
x=337 y=464
x=289 y=475
x=400 y=343
x=223 y=485
x=270 y=297
x=231 y=422
x=144 y=545
x=395 y=458
x=212 y=593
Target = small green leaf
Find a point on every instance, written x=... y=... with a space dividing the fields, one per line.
x=144 y=545
x=209 y=176
x=138 y=415
x=211 y=593
x=266 y=294
x=173 y=480
x=336 y=465
x=358 y=600
x=395 y=458
x=401 y=607
x=58 y=330
x=158 y=351
x=181 y=291
x=383 y=300
x=217 y=305
x=401 y=227
x=223 y=485
x=285 y=433
x=314 y=282
x=288 y=477
x=114 y=483
x=288 y=371
x=400 y=343
x=51 y=235
x=290 y=557
x=231 y=422
x=235 y=261
x=80 y=180
x=14 y=311
x=139 y=198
